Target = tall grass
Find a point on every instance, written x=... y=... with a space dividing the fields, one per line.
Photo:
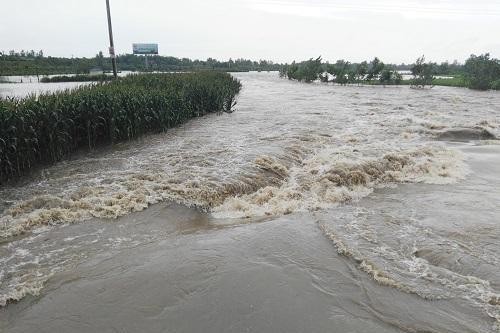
x=44 y=129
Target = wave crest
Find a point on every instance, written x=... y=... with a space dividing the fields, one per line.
x=329 y=178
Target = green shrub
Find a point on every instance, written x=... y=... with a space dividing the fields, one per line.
x=390 y=77
x=307 y=71
x=481 y=71
x=423 y=73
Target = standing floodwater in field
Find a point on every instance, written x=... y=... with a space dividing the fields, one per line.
x=386 y=177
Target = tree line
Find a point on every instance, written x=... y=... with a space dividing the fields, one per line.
x=344 y=72
x=36 y=63
x=479 y=72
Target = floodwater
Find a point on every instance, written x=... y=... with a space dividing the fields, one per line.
x=22 y=86
x=312 y=208
x=11 y=89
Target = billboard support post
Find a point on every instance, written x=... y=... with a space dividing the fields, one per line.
x=145 y=49
x=111 y=42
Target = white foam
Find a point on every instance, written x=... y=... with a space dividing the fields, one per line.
x=328 y=178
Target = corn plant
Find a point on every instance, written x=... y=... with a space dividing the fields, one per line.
x=44 y=129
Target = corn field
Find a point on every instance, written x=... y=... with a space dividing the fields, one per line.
x=44 y=129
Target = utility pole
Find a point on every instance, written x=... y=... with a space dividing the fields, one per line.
x=111 y=43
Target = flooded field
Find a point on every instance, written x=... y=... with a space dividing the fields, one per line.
x=33 y=87
x=22 y=86
x=311 y=208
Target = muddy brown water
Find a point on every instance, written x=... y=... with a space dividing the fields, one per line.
x=311 y=208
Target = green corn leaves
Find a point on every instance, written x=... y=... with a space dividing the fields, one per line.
x=40 y=130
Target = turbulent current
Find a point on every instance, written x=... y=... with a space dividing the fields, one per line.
x=394 y=190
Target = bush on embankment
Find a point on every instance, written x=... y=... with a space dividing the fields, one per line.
x=44 y=129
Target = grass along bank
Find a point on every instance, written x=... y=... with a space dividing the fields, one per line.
x=44 y=129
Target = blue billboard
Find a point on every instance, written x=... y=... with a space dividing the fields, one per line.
x=142 y=48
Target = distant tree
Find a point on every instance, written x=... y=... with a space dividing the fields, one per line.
x=99 y=59
x=311 y=69
x=211 y=63
x=388 y=76
x=482 y=72
x=361 y=71
x=13 y=64
x=397 y=77
x=340 y=71
x=443 y=68
x=283 y=71
x=351 y=75
x=375 y=68
x=291 y=71
x=423 y=73
x=385 y=76
x=307 y=71
x=82 y=68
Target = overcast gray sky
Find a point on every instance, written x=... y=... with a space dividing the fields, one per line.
x=280 y=30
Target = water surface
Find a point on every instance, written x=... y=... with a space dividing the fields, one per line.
x=312 y=207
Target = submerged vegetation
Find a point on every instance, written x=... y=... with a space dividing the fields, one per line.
x=45 y=129
x=479 y=72
x=344 y=72
x=423 y=73
x=76 y=78
x=307 y=71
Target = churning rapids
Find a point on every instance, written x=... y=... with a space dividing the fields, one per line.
x=311 y=208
